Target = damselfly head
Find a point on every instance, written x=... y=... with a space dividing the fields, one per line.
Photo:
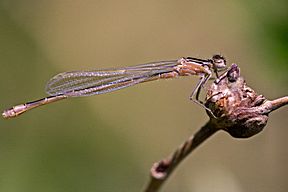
x=219 y=62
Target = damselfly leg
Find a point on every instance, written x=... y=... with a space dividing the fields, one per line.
x=196 y=93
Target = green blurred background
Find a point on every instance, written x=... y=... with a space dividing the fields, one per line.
x=109 y=142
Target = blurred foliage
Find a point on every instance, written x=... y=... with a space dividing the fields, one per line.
x=44 y=154
x=109 y=143
x=271 y=32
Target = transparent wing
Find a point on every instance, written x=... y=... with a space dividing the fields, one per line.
x=86 y=83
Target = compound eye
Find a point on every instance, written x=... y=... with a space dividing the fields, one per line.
x=219 y=61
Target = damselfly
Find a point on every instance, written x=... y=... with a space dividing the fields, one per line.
x=94 y=82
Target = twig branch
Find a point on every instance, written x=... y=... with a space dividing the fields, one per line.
x=276 y=104
x=240 y=111
x=160 y=171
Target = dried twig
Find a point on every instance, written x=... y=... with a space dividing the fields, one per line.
x=239 y=110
